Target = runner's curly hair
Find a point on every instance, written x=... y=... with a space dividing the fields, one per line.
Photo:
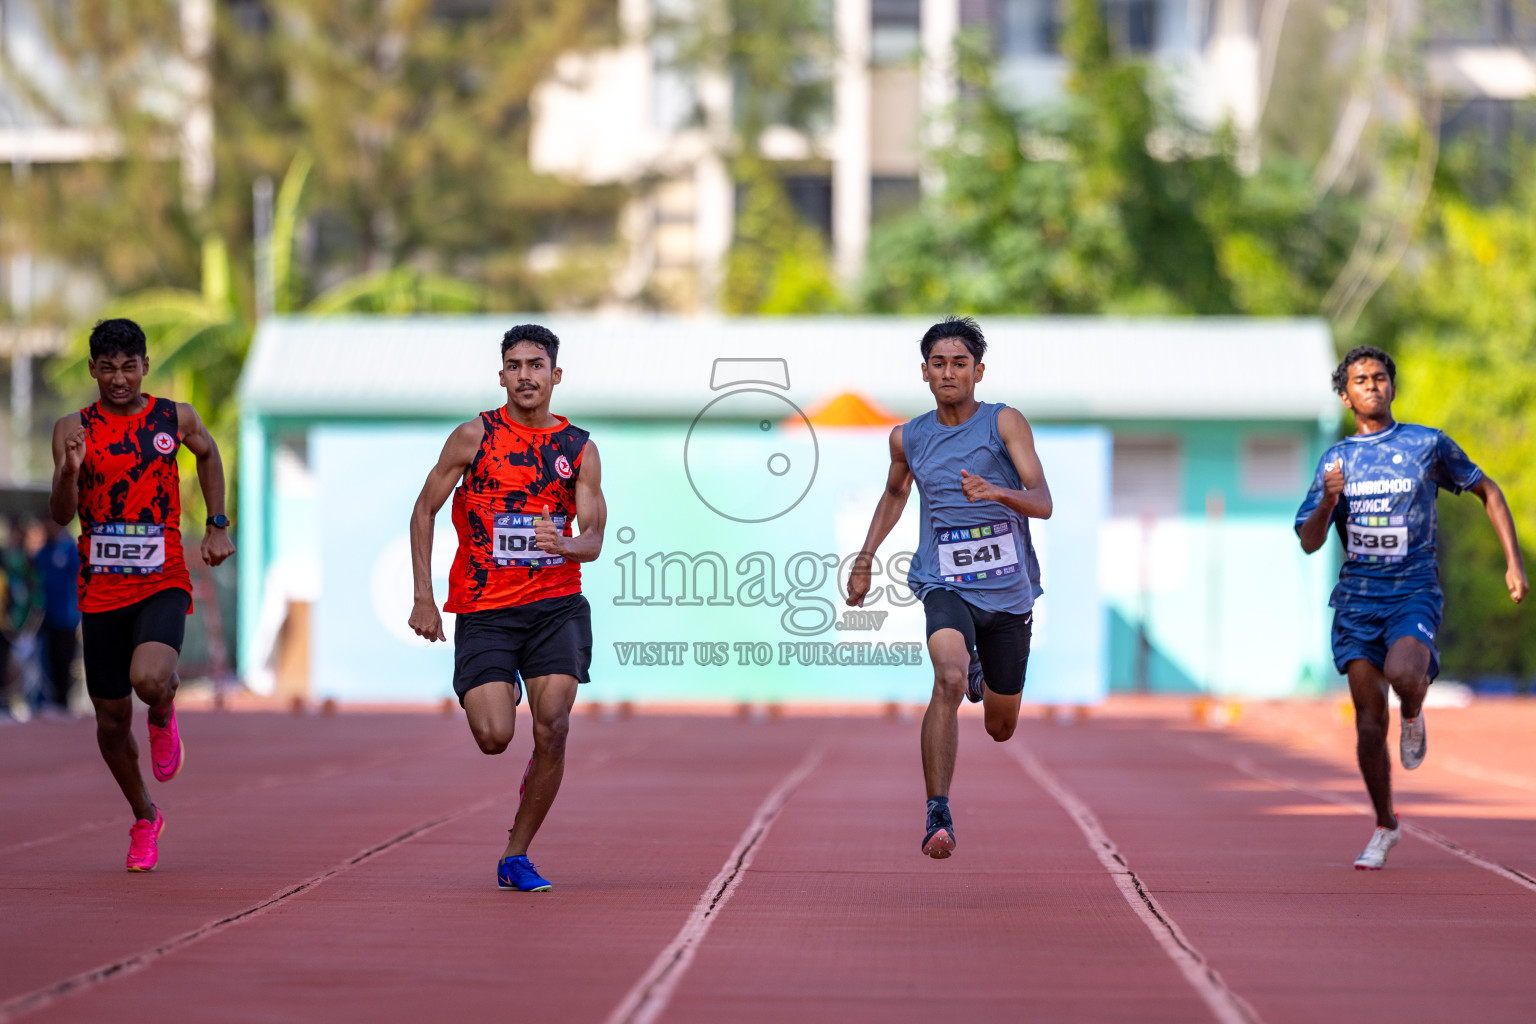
x=538 y=335
x=1353 y=356
x=117 y=337
x=962 y=328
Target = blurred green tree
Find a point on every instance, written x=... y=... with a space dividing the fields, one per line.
x=1111 y=203
x=417 y=116
x=778 y=58
x=1465 y=328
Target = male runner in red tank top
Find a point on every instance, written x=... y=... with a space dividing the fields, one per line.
x=115 y=464
x=516 y=582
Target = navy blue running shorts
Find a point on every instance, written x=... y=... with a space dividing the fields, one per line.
x=1368 y=630
x=542 y=638
x=1000 y=639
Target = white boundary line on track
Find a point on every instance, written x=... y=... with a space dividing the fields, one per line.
x=1225 y=1005
x=645 y=1001
x=1449 y=845
x=34 y=1001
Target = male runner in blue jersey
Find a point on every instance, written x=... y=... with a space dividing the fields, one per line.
x=1387 y=603
x=975 y=570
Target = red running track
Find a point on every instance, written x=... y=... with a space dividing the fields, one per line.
x=342 y=869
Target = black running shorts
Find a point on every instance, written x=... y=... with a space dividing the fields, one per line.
x=1000 y=639
x=541 y=638
x=111 y=638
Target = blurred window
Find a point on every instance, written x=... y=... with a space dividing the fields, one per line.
x=811 y=196
x=1027 y=28
x=1147 y=477
x=1032 y=28
x=1271 y=466
x=895 y=30
x=893 y=196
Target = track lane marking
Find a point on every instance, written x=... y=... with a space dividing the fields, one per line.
x=40 y=998
x=328 y=770
x=650 y=995
x=34 y=1001
x=1428 y=835
x=1225 y=1005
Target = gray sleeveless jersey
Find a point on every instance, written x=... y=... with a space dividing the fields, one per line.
x=980 y=551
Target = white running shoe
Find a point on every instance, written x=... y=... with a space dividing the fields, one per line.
x=1375 y=856
x=1413 y=743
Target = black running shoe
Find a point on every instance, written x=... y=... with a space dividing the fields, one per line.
x=975 y=686
x=940 y=840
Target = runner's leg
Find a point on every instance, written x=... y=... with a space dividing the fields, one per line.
x=114 y=735
x=1407 y=672
x=152 y=674
x=1002 y=713
x=951 y=656
x=550 y=699
x=491 y=709
x=1368 y=689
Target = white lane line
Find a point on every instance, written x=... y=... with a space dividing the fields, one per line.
x=1429 y=835
x=34 y=1001
x=1225 y=1005
x=650 y=995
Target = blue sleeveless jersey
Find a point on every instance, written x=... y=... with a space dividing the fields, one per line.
x=981 y=551
x=1386 y=516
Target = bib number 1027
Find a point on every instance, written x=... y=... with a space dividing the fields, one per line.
x=130 y=549
x=514 y=543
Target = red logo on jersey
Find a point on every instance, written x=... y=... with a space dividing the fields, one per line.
x=563 y=467
x=164 y=443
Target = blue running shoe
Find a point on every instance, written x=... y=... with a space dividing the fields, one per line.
x=940 y=840
x=520 y=874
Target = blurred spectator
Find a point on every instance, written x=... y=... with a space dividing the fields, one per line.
x=17 y=623
x=57 y=563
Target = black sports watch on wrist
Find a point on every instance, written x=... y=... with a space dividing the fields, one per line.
x=221 y=521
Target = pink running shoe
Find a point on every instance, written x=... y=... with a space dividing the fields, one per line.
x=144 y=843
x=165 y=749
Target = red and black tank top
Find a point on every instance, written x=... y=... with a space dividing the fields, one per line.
x=517 y=471
x=130 y=507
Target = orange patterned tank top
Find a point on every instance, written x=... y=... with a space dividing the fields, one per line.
x=130 y=507
x=517 y=471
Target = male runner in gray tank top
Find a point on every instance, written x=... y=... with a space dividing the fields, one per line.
x=975 y=569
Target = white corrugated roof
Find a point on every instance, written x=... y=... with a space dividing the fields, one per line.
x=1049 y=367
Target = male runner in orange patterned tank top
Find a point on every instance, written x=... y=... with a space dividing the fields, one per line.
x=115 y=464
x=523 y=476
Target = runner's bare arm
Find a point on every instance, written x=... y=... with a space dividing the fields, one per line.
x=68 y=455
x=898 y=485
x=457 y=454
x=216 y=546
x=1314 y=531
x=1504 y=525
x=591 y=515
x=1034 y=500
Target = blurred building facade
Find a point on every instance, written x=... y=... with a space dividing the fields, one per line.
x=627 y=116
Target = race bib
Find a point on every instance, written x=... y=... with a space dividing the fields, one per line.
x=1377 y=539
x=130 y=549
x=977 y=552
x=513 y=543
